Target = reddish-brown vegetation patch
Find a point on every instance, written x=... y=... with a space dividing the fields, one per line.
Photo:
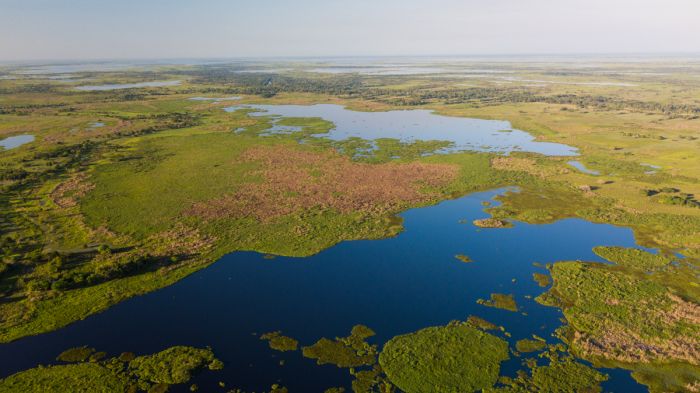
x=296 y=180
x=67 y=193
x=181 y=239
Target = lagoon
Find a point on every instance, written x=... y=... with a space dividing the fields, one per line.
x=411 y=125
x=394 y=286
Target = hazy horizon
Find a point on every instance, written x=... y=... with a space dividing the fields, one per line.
x=98 y=30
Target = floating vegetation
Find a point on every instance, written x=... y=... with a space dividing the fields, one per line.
x=632 y=257
x=492 y=223
x=529 y=345
x=481 y=323
x=541 y=279
x=499 y=300
x=279 y=342
x=78 y=354
x=452 y=358
x=152 y=373
x=350 y=351
x=174 y=365
x=464 y=258
x=560 y=375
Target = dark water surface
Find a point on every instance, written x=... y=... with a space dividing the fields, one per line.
x=394 y=286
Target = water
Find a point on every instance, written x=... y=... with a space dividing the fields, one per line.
x=127 y=86
x=15 y=141
x=411 y=125
x=654 y=168
x=582 y=168
x=394 y=286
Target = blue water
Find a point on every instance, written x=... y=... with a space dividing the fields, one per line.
x=582 y=168
x=410 y=125
x=395 y=286
x=15 y=141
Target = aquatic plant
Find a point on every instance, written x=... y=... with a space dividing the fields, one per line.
x=173 y=365
x=452 y=358
x=560 y=375
x=279 y=342
x=500 y=300
x=350 y=351
x=463 y=258
x=492 y=223
x=528 y=345
x=541 y=279
x=78 y=354
x=481 y=323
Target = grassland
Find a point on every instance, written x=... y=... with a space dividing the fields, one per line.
x=624 y=316
x=91 y=216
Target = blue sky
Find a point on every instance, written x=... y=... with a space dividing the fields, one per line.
x=102 y=29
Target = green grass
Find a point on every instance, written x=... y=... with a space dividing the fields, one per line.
x=624 y=317
x=79 y=378
x=174 y=365
x=453 y=358
x=632 y=257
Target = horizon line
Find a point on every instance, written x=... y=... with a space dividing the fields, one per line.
x=368 y=56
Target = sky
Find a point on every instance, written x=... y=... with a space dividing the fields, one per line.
x=146 y=29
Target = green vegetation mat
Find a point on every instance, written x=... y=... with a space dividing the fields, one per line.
x=453 y=358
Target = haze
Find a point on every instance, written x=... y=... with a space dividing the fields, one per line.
x=100 y=29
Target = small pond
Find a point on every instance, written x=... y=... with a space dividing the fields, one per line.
x=582 y=168
x=15 y=141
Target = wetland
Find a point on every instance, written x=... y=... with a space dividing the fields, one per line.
x=244 y=224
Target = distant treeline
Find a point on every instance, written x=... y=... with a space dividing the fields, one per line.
x=268 y=85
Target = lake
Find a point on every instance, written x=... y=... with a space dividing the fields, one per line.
x=410 y=125
x=15 y=141
x=394 y=286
